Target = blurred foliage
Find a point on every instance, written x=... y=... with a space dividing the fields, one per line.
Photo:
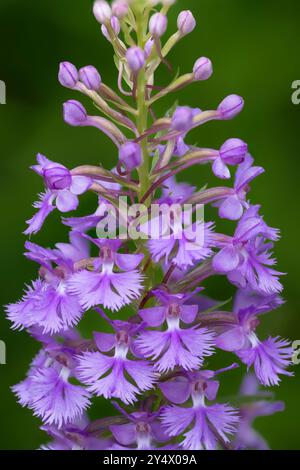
x=254 y=48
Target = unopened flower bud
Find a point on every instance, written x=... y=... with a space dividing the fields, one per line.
x=130 y=155
x=102 y=11
x=115 y=24
x=90 y=77
x=230 y=107
x=186 y=22
x=136 y=58
x=148 y=47
x=68 y=75
x=120 y=8
x=74 y=113
x=57 y=176
x=158 y=24
x=203 y=69
x=182 y=119
x=233 y=151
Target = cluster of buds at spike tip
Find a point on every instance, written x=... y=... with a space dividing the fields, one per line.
x=157 y=362
x=69 y=76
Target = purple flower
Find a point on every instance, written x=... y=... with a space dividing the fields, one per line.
x=270 y=357
x=48 y=392
x=85 y=223
x=232 y=152
x=247 y=437
x=47 y=303
x=176 y=346
x=185 y=245
x=208 y=425
x=74 y=436
x=62 y=189
x=130 y=155
x=170 y=233
x=104 y=286
x=182 y=119
x=142 y=432
x=174 y=192
x=181 y=148
x=107 y=374
x=246 y=259
x=233 y=206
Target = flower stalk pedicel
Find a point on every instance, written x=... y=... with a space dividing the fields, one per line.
x=152 y=361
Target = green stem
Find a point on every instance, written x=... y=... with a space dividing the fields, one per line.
x=142 y=117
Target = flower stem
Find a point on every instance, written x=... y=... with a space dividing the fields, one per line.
x=142 y=108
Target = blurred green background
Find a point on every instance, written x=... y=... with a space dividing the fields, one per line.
x=254 y=48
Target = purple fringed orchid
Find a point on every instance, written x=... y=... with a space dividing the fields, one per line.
x=247 y=437
x=246 y=258
x=233 y=206
x=88 y=222
x=178 y=238
x=107 y=374
x=180 y=346
x=210 y=424
x=75 y=436
x=47 y=303
x=48 y=391
x=142 y=432
x=181 y=148
x=270 y=357
x=62 y=189
x=156 y=360
x=105 y=285
x=232 y=152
